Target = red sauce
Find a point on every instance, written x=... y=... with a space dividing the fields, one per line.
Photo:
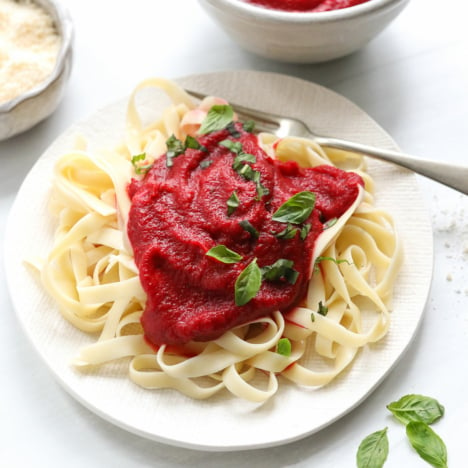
x=178 y=213
x=306 y=5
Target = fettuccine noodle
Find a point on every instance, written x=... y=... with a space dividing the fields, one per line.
x=91 y=274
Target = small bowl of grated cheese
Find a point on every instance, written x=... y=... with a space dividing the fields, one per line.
x=35 y=62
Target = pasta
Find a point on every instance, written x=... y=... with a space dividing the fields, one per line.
x=91 y=273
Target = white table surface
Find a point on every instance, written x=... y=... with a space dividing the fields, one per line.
x=412 y=79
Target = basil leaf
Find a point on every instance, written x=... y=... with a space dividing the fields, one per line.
x=231 y=128
x=289 y=232
x=305 y=231
x=248 y=283
x=218 y=117
x=140 y=168
x=175 y=147
x=330 y=223
x=284 y=347
x=297 y=209
x=234 y=146
x=232 y=203
x=373 y=450
x=242 y=158
x=249 y=126
x=191 y=142
x=416 y=408
x=249 y=228
x=322 y=309
x=427 y=443
x=206 y=163
x=282 y=268
x=331 y=259
x=223 y=254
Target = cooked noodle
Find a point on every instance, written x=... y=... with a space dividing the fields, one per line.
x=91 y=274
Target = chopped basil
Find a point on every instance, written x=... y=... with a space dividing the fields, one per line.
x=373 y=450
x=245 y=224
x=140 y=168
x=242 y=158
x=322 y=309
x=218 y=118
x=305 y=231
x=232 y=203
x=231 y=128
x=297 y=209
x=427 y=443
x=330 y=223
x=206 y=163
x=248 y=283
x=282 y=268
x=234 y=146
x=331 y=259
x=175 y=147
x=289 y=232
x=312 y=317
x=284 y=347
x=249 y=126
x=223 y=254
x=416 y=408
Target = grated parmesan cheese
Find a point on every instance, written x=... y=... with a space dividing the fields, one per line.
x=29 y=45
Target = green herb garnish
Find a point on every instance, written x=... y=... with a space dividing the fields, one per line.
x=248 y=283
x=427 y=443
x=289 y=232
x=232 y=203
x=330 y=223
x=175 y=147
x=140 y=168
x=282 y=268
x=218 y=118
x=247 y=226
x=322 y=309
x=416 y=408
x=284 y=347
x=297 y=209
x=373 y=450
x=249 y=126
x=223 y=254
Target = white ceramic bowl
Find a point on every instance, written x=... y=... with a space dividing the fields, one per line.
x=302 y=37
x=28 y=109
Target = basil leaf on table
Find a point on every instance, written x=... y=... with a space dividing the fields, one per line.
x=223 y=254
x=248 y=283
x=373 y=450
x=414 y=407
x=427 y=443
x=297 y=209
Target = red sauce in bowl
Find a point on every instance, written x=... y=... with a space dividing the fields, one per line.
x=306 y=5
x=179 y=212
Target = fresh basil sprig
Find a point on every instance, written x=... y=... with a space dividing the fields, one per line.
x=427 y=443
x=373 y=450
x=297 y=209
x=223 y=254
x=248 y=283
x=217 y=118
x=416 y=408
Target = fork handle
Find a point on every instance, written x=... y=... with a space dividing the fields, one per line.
x=451 y=175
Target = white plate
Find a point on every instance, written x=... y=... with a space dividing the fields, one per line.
x=224 y=422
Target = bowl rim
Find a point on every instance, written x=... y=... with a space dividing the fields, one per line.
x=64 y=22
x=258 y=11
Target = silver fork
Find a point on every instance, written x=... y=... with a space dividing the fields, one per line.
x=451 y=175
